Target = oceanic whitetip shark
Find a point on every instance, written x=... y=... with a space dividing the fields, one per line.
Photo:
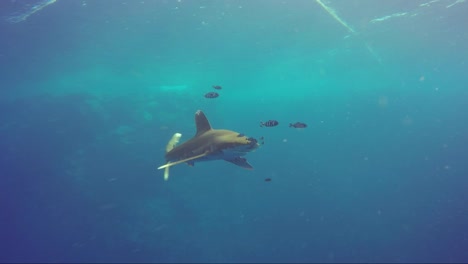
x=209 y=144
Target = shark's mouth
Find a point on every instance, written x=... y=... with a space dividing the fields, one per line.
x=248 y=145
x=253 y=143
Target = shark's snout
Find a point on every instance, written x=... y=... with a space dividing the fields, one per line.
x=243 y=145
x=253 y=143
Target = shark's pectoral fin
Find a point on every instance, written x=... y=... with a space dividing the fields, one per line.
x=239 y=161
x=170 y=164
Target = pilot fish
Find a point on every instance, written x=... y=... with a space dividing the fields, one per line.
x=269 y=123
x=211 y=95
x=298 y=125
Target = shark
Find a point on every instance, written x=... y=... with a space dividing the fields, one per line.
x=209 y=144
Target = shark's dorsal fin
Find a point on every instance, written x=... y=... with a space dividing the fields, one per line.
x=201 y=122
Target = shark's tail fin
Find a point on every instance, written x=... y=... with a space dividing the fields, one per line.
x=166 y=173
x=173 y=141
x=170 y=145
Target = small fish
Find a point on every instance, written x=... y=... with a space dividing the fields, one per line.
x=298 y=125
x=217 y=87
x=269 y=123
x=211 y=95
x=268 y=179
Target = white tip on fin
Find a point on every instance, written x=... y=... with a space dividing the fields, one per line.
x=173 y=141
x=166 y=173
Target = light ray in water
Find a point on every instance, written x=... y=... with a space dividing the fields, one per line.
x=429 y=3
x=374 y=54
x=416 y=11
x=35 y=8
x=456 y=3
x=335 y=16
x=380 y=19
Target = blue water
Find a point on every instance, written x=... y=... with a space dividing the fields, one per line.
x=91 y=91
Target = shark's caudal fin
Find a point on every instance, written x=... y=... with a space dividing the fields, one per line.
x=173 y=141
x=202 y=123
x=166 y=173
x=170 y=145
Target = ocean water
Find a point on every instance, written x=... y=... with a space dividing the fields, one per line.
x=91 y=91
